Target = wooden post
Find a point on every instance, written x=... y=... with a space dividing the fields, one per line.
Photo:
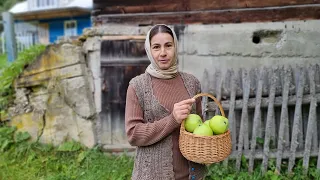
x=244 y=118
x=231 y=115
x=311 y=120
x=284 y=118
x=256 y=119
x=9 y=36
x=296 y=122
x=270 y=118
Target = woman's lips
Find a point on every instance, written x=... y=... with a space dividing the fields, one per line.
x=164 y=60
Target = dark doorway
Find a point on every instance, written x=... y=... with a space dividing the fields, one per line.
x=120 y=62
x=115 y=83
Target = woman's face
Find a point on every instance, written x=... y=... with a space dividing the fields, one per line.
x=162 y=50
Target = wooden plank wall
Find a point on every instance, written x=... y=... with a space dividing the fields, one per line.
x=144 y=6
x=144 y=12
x=273 y=112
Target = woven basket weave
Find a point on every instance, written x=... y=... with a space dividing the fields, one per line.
x=205 y=149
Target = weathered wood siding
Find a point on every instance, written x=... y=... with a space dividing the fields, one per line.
x=144 y=6
x=143 y=12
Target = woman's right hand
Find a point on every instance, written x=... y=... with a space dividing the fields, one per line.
x=182 y=109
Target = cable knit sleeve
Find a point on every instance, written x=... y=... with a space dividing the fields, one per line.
x=139 y=132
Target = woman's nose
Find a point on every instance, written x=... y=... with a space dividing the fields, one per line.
x=163 y=52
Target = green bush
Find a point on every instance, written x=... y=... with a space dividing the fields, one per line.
x=12 y=71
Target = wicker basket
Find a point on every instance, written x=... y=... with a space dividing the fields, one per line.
x=205 y=149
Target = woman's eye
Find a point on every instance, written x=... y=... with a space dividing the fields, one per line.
x=169 y=45
x=155 y=47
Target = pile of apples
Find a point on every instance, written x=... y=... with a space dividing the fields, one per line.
x=214 y=126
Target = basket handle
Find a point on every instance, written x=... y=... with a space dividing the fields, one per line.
x=215 y=100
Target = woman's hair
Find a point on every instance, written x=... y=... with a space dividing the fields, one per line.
x=160 y=29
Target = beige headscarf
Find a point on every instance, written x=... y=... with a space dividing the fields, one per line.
x=153 y=69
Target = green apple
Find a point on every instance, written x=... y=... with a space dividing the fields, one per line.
x=207 y=122
x=219 y=124
x=192 y=121
x=203 y=130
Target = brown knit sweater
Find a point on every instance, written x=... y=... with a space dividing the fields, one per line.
x=167 y=92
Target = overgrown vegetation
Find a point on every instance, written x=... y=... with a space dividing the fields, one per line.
x=12 y=71
x=21 y=159
x=7 y=4
x=3 y=61
x=218 y=171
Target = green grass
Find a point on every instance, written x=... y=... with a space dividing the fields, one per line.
x=32 y=161
x=36 y=163
x=20 y=159
x=3 y=61
x=219 y=171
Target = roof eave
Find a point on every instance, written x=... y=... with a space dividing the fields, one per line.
x=52 y=13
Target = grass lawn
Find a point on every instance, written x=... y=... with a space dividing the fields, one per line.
x=20 y=160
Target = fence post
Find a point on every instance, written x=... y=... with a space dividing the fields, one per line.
x=9 y=36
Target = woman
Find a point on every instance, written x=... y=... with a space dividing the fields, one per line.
x=157 y=102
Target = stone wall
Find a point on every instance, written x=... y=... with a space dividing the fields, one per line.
x=248 y=45
x=54 y=97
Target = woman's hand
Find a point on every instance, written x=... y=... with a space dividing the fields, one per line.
x=182 y=109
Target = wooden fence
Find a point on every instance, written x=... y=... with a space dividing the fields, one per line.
x=23 y=41
x=26 y=40
x=272 y=112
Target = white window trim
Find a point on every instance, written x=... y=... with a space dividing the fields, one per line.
x=65 y=27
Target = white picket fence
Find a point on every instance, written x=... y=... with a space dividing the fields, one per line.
x=23 y=41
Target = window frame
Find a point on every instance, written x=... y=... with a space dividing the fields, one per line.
x=66 y=32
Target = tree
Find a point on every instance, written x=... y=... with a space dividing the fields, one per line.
x=5 y=5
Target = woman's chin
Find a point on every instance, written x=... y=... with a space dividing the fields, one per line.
x=164 y=67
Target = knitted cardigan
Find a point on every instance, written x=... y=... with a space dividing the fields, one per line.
x=154 y=162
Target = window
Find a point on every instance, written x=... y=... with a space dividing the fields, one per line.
x=38 y=4
x=70 y=28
